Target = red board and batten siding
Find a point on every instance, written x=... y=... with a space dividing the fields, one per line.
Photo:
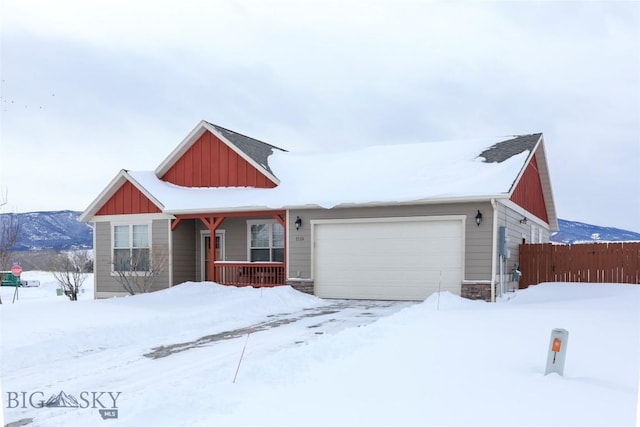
x=210 y=162
x=128 y=200
x=528 y=193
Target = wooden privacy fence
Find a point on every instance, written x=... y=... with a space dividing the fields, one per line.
x=591 y=262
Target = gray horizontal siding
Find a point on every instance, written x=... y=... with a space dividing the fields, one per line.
x=102 y=263
x=184 y=252
x=160 y=245
x=103 y=278
x=477 y=246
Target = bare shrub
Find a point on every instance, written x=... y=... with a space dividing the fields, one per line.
x=137 y=274
x=71 y=270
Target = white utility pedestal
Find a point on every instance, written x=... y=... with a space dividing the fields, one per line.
x=557 y=351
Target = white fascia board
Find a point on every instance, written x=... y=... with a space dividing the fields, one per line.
x=109 y=190
x=430 y=201
x=547 y=187
x=182 y=148
x=475 y=199
x=514 y=184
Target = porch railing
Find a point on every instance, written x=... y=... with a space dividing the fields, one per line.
x=257 y=274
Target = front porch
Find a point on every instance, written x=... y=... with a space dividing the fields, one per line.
x=248 y=249
x=256 y=274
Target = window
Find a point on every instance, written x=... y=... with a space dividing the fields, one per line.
x=131 y=247
x=266 y=242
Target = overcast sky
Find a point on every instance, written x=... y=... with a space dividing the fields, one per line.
x=92 y=87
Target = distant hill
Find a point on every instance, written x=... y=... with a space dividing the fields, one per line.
x=57 y=230
x=578 y=232
x=61 y=230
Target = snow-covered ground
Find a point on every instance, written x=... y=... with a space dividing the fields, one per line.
x=170 y=358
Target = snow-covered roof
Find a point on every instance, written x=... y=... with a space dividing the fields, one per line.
x=401 y=173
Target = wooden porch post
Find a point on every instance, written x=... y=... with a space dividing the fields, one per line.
x=282 y=219
x=212 y=224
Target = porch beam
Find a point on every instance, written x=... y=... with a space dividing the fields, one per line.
x=265 y=213
x=175 y=223
x=211 y=222
x=281 y=219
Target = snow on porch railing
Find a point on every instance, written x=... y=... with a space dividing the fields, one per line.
x=257 y=274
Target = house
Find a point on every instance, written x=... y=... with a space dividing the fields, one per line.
x=394 y=222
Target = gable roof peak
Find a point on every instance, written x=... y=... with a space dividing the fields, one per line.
x=516 y=144
x=122 y=177
x=254 y=151
x=258 y=151
x=236 y=136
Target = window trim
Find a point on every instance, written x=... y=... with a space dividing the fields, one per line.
x=270 y=222
x=129 y=224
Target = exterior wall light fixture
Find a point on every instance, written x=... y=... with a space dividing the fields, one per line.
x=523 y=220
x=298 y=223
x=478 y=218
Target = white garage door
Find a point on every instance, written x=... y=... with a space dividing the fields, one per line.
x=388 y=259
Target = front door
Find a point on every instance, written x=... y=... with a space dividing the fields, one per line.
x=206 y=245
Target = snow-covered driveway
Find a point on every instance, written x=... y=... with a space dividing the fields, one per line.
x=147 y=347
x=303 y=325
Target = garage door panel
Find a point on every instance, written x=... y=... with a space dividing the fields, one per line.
x=386 y=259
